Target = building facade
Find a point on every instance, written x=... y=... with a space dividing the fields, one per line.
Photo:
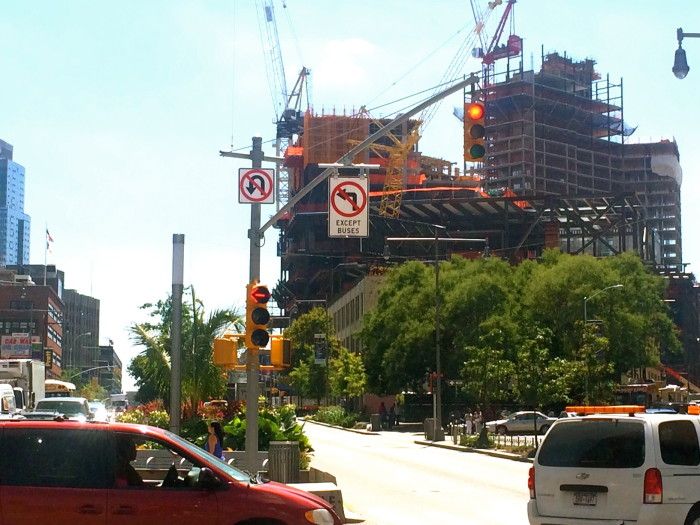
x=108 y=369
x=31 y=325
x=81 y=329
x=14 y=223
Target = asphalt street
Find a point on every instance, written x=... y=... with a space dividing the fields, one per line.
x=388 y=479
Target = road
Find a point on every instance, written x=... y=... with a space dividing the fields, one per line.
x=388 y=479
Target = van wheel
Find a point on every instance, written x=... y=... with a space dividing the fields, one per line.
x=693 y=516
x=500 y=429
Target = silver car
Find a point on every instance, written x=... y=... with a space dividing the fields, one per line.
x=524 y=422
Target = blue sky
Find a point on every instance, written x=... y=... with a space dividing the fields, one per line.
x=117 y=110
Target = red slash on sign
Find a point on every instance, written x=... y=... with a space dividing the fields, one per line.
x=348 y=199
x=255 y=185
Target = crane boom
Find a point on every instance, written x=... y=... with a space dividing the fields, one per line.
x=274 y=64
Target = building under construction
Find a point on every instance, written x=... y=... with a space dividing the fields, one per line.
x=558 y=172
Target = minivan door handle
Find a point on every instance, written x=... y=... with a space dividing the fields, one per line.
x=89 y=509
x=124 y=509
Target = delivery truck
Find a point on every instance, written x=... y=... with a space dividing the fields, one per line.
x=27 y=378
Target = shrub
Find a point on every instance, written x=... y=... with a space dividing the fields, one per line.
x=335 y=415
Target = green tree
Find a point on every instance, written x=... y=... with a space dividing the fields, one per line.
x=201 y=379
x=487 y=374
x=308 y=378
x=347 y=376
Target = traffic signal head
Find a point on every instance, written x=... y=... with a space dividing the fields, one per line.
x=474 y=131
x=280 y=351
x=257 y=316
x=226 y=351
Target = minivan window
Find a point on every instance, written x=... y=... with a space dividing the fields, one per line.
x=609 y=443
x=35 y=457
x=679 y=443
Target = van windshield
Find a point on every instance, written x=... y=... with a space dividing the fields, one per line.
x=609 y=443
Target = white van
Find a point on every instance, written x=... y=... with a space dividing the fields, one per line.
x=8 y=407
x=618 y=468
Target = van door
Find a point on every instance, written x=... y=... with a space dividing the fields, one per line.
x=679 y=459
x=593 y=468
x=53 y=475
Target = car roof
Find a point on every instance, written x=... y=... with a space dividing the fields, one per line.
x=88 y=425
x=74 y=399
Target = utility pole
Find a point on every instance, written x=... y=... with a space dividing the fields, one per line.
x=252 y=364
x=176 y=331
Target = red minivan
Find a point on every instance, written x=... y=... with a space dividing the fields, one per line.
x=73 y=473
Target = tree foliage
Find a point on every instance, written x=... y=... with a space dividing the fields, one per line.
x=201 y=379
x=517 y=332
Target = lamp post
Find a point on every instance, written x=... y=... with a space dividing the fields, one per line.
x=588 y=298
x=680 y=63
x=73 y=347
x=437 y=398
x=585 y=324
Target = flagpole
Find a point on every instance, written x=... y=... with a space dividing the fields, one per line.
x=46 y=249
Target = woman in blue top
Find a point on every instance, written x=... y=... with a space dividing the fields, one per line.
x=215 y=441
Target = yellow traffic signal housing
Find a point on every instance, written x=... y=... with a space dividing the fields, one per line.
x=280 y=351
x=226 y=351
x=257 y=316
x=474 y=131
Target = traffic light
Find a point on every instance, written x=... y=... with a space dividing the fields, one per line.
x=226 y=351
x=474 y=131
x=257 y=316
x=280 y=351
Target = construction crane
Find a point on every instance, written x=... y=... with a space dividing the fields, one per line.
x=289 y=116
x=494 y=51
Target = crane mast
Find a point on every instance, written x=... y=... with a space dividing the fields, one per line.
x=287 y=105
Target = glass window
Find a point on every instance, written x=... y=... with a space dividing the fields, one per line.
x=679 y=443
x=591 y=443
x=53 y=458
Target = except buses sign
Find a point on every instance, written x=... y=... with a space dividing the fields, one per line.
x=348 y=213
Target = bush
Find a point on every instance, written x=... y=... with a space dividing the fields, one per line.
x=335 y=415
x=152 y=414
x=475 y=441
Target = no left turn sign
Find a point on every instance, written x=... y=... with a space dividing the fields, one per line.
x=348 y=213
x=256 y=186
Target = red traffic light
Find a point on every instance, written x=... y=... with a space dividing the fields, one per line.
x=475 y=111
x=260 y=294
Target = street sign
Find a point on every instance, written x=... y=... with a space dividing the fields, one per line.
x=320 y=349
x=348 y=212
x=256 y=185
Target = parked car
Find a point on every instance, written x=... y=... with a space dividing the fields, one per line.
x=633 y=467
x=68 y=472
x=69 y=407
x=521 y=423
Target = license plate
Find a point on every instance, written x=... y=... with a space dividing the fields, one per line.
x=585 y=498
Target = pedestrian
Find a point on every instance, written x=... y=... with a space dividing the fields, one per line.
x=468 y=423
x=215 y=440
x=383 y=416
x=399 y=411
x=392 y=417
x=478 y=421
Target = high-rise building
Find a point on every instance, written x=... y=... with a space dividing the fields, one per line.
x=81 y=329
x=14 y=223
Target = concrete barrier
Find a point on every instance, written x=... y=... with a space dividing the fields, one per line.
x=328 y=491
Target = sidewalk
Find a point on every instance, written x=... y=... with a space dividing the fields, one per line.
x=447 y=444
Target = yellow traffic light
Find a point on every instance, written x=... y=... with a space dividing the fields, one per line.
x=474 y=131
x=226 y=351
x=257 y=316
x=280 y=351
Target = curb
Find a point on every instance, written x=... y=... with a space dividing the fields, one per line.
x=353 y=430
x=486 y=452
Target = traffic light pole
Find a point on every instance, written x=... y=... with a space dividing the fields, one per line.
x=252 y=365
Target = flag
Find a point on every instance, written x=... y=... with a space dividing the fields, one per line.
x=49 y=240
x=111 y=343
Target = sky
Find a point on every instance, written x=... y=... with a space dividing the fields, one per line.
x=118 y=111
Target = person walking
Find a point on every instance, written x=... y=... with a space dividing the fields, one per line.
x=383 y=416
x=215 y=440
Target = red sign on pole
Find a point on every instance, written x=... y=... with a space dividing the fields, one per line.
x=348 y=211
x=256 y=186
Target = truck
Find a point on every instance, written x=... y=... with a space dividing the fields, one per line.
x=27 y=378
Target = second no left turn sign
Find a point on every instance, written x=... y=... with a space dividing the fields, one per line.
x=348 y=213
x=256 y=186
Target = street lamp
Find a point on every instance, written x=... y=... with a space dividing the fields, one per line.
x=437 y=398
x=73 y=346
x=586 y=299
x=585 y=324
x=680 y=64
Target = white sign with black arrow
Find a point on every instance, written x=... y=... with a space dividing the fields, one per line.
x=256 y=185
x=348 y=213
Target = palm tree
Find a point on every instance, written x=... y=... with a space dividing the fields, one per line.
x=201 y=379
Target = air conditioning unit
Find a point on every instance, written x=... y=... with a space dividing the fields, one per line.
x=24 y=279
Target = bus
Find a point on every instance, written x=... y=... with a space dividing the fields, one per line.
x=56 y=388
